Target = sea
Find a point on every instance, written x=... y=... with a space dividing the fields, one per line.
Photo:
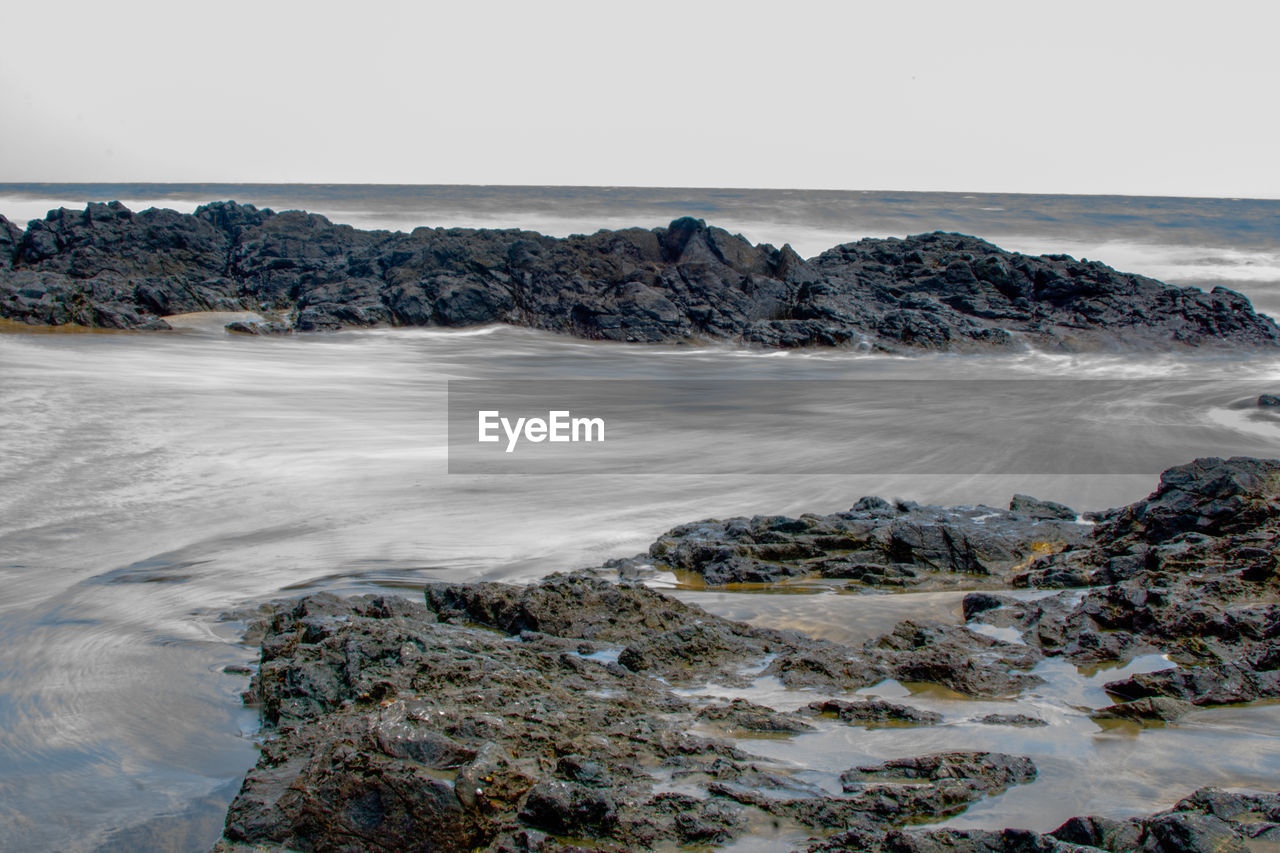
x=155 y=488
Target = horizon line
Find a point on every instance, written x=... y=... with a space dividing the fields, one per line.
x=28 y=184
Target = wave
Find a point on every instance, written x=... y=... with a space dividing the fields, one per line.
x=1176 y=264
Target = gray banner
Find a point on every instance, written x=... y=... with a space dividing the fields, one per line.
x=852 y=427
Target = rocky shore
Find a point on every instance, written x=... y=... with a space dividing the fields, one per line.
x=107 y=266
x=567 y=715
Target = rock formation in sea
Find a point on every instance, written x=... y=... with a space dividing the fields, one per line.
x=557 y=716
x=110 y=267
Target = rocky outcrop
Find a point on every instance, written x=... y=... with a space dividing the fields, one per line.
x=455 y=725
x=108 y=266
x=1191 y=571
x=557 y=715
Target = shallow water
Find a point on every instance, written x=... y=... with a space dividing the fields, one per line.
x=150 y=483
x=153 y=482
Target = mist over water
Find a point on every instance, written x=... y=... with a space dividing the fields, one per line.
x=152 y=482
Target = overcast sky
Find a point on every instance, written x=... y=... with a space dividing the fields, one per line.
x=1161 y=98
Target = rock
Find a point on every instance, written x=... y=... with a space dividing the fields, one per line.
x=873 y=543
x=1101 y=833
x=10 y=238
x=1192 y=833
x=874 y=712
x=1220 y=684
x=956 y=657
x=495 y=717
x=341 y=794
x=1024 y=720
x=980 y=602
x=741 y=714
x=1158 y=708
x=985 y=771
x=1036 y=508
x=568 y=808
x=688 y=281
x=240 y=327
x=1208 y=496
x=1231 y=805
x=976 y=841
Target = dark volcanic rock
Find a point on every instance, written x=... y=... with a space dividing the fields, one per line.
x=1209 y=821
x=894 y=793
x=400 y=726
x=983 y=771
x=1189 y=571
x=240 y=327
x=546 y=717
x=688 y=281
x=1157 y=708
x=875 y=712
x=1208 y=496
x=1036 y=508
x=741 y=714
x=1218 y=684
x=1023 y=720
x=874 y=543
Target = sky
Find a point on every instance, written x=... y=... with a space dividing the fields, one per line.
x=1125 y=97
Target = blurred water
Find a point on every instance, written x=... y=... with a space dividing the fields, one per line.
x=149 y=483
x=154 y=481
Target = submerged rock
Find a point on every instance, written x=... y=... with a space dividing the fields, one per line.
x=107 y=265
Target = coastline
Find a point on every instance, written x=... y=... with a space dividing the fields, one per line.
x=107 y=266
x=580 y=712
x=259 y=370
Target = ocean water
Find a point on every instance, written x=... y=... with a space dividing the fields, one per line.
x=153 y=483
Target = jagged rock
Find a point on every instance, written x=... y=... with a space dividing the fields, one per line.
x=503 y=714
x=1036 y=508
x=686 y=281
x=1208 y=496
x=1220 y=684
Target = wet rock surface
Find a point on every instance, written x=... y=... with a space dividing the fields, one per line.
x=874 y=712
x=1189 y=572
x=109 y=266
x=874 y=544
x=565 y=715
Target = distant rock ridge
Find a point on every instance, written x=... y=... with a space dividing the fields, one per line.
x=106 y=266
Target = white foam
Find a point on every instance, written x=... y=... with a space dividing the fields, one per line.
x=1169 y=263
